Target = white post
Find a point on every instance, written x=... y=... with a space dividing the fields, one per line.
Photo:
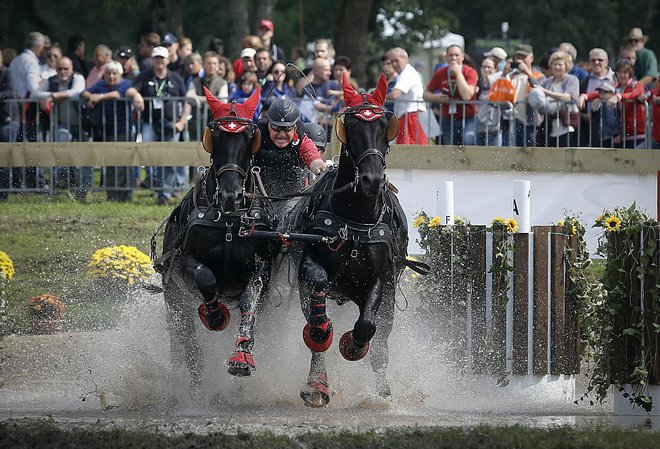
x=522 y=193
x=446 y=202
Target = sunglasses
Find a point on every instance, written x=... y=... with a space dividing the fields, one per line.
x=277 y=128
x=63 y=68
x=633 y=41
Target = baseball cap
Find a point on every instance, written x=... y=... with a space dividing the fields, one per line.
x=606 y=86
x=124 y=52
x=523 y=49
x=160 y=51
x=267 y=24
x=168 y=39
x=497 y=52
x=248 y=53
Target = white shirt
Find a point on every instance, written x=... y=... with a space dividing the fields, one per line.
x=24 y=74
x=409 y=82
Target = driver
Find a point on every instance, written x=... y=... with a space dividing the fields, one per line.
x=285 y=153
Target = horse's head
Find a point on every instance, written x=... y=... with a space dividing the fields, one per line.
x=232 y=139
x=365 y=130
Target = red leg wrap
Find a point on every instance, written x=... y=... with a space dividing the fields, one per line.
x=318 y=338
x=217 y=323
x=317 y=391
x=348 y=350
x=241 y=359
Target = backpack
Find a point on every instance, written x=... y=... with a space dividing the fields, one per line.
x=502 y=90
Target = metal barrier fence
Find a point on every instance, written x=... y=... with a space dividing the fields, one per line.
x=491 y=124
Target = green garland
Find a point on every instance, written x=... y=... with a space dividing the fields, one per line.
x=613 y=322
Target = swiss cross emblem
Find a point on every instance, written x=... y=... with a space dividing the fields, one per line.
x=232 y=127
x=368 y=115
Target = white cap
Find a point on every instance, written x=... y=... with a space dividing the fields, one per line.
x=248 y=53
x=160 y=51
x=497 y=52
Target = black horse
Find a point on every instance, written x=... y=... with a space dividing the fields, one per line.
x=205 y=248
x=369 y=236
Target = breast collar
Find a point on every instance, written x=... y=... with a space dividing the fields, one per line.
x=327 y=223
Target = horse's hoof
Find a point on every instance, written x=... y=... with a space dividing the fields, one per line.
x=316 y=393
x=219 y=321
x=241 y=364
x=318 y=338
x=349 y=350
x=383 y=388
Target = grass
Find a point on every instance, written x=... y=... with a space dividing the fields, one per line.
x=50 y=241
x=45 y=434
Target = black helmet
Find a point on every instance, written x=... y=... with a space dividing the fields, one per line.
x=317 y=134
x=283 y=112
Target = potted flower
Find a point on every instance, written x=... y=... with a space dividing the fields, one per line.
x=119 y=268
x=6 y=274
x=46 y=313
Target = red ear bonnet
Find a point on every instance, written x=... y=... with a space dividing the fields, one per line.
x=245 y=110
x=352 y=98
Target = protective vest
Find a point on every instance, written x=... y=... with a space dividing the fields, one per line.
x=282 y=169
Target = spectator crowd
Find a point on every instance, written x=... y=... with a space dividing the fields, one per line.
x=156 y=93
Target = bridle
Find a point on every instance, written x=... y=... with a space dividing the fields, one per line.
x=367 y=112
x=232 y=124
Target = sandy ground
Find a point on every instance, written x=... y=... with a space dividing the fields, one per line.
x=123 y=378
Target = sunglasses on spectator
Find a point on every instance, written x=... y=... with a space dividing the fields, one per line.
x=63 y=68
x=633 y=41
x=277 y=128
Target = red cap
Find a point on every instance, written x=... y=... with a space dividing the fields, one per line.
x=267 y=24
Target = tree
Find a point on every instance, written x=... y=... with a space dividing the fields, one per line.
x=352 y=34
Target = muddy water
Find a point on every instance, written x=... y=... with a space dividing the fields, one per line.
x=123 y=377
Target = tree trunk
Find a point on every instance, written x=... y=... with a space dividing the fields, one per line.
x=167 y=16
x=238 y=27
x=352 y=35
x=263 y=9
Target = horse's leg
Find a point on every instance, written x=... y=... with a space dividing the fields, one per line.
x=184 y=347
x=241 y=362
x=380 y=352
x=354 y=344
x=316 y=392
x=317 y=334
x=213 y=313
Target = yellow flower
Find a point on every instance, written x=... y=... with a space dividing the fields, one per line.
x=512 y=225
x=435 y=221
x=126 y=263
x=612 y=223
x=573 y=229
x=419 y=221
x=560 y=223
x=6 y=266
x=499 y=221
x=599 y=219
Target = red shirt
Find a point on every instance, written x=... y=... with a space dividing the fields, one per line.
x=655 y=108
x=440 y=83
